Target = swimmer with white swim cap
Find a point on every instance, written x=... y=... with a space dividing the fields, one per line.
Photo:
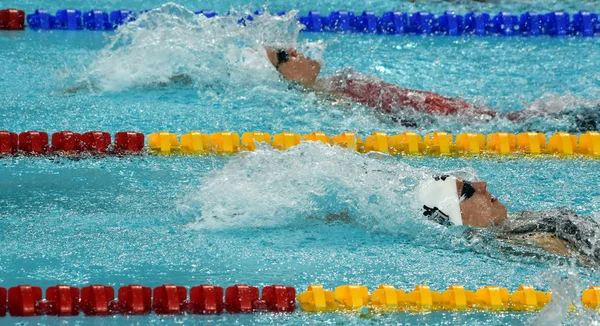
x=453 y=201
x=450 y=200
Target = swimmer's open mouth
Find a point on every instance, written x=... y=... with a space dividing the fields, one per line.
x=494 y=199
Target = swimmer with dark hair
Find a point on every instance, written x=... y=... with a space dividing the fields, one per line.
x=363 y=89
x=395 y=101
x=453 y=201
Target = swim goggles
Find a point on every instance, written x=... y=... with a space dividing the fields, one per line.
x=282 y=57
x=467 y=190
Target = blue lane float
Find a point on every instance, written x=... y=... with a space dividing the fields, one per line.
x=585 y=24
x=97 y=20
x=338 y=21
x=477 y=23
x=366 y=23
x=449 y=23
x=68 y=19
x=313 y=22
x=206 y=13
x=531 y=24
x=505 y=24
x=422 y=23
x=120 y=17
x=41 y=19
x=556 y=23
x=393 y=22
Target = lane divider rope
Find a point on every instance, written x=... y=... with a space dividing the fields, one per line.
x=560 y=23
x=170 y=299
x=68 y=143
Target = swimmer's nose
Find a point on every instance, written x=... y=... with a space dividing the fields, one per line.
x=480 y=186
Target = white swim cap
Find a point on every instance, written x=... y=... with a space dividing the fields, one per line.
x=439 y=198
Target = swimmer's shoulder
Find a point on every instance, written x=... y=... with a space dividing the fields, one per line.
x=560 y=231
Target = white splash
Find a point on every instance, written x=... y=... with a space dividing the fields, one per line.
x=172 y=40
x=269 y=187
x=553 y=103
x=564 y=284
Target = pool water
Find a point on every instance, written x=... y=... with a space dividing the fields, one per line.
x=259 y=218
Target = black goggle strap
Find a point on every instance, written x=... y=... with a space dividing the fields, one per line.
x=282 y=57
x=436 y=215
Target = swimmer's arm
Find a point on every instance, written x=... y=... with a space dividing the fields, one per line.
x=543 y=240
x=81 y=87
x=551 y=243
x=343 y=216
x=182 y=79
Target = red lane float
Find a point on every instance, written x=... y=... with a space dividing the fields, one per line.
x=95 y=141
x=279 y=298
x=3 y=295
x=63 y=300
x=242 y=298
x=92 y=141
x=206 y=299
x=12 y=19
x=23 y=300
x=9 y=142
x=129 y=141
x=136 y=299
x=33 y=142
x=168 y=299
x=66 y=141
x=36 y=142
x=95 y=300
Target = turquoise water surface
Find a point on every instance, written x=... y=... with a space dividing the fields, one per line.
x=259 y=218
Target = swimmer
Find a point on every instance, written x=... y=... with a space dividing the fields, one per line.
x=453 y=201
x=396 y=101
x=384 y=97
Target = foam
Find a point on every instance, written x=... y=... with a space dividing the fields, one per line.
x=172 y=40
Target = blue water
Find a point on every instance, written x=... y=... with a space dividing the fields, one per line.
x=259 y=218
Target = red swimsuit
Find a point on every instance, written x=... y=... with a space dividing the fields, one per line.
x=389 y=98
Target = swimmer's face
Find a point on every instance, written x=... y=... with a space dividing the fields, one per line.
x=297 y=68
x=481 y=209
